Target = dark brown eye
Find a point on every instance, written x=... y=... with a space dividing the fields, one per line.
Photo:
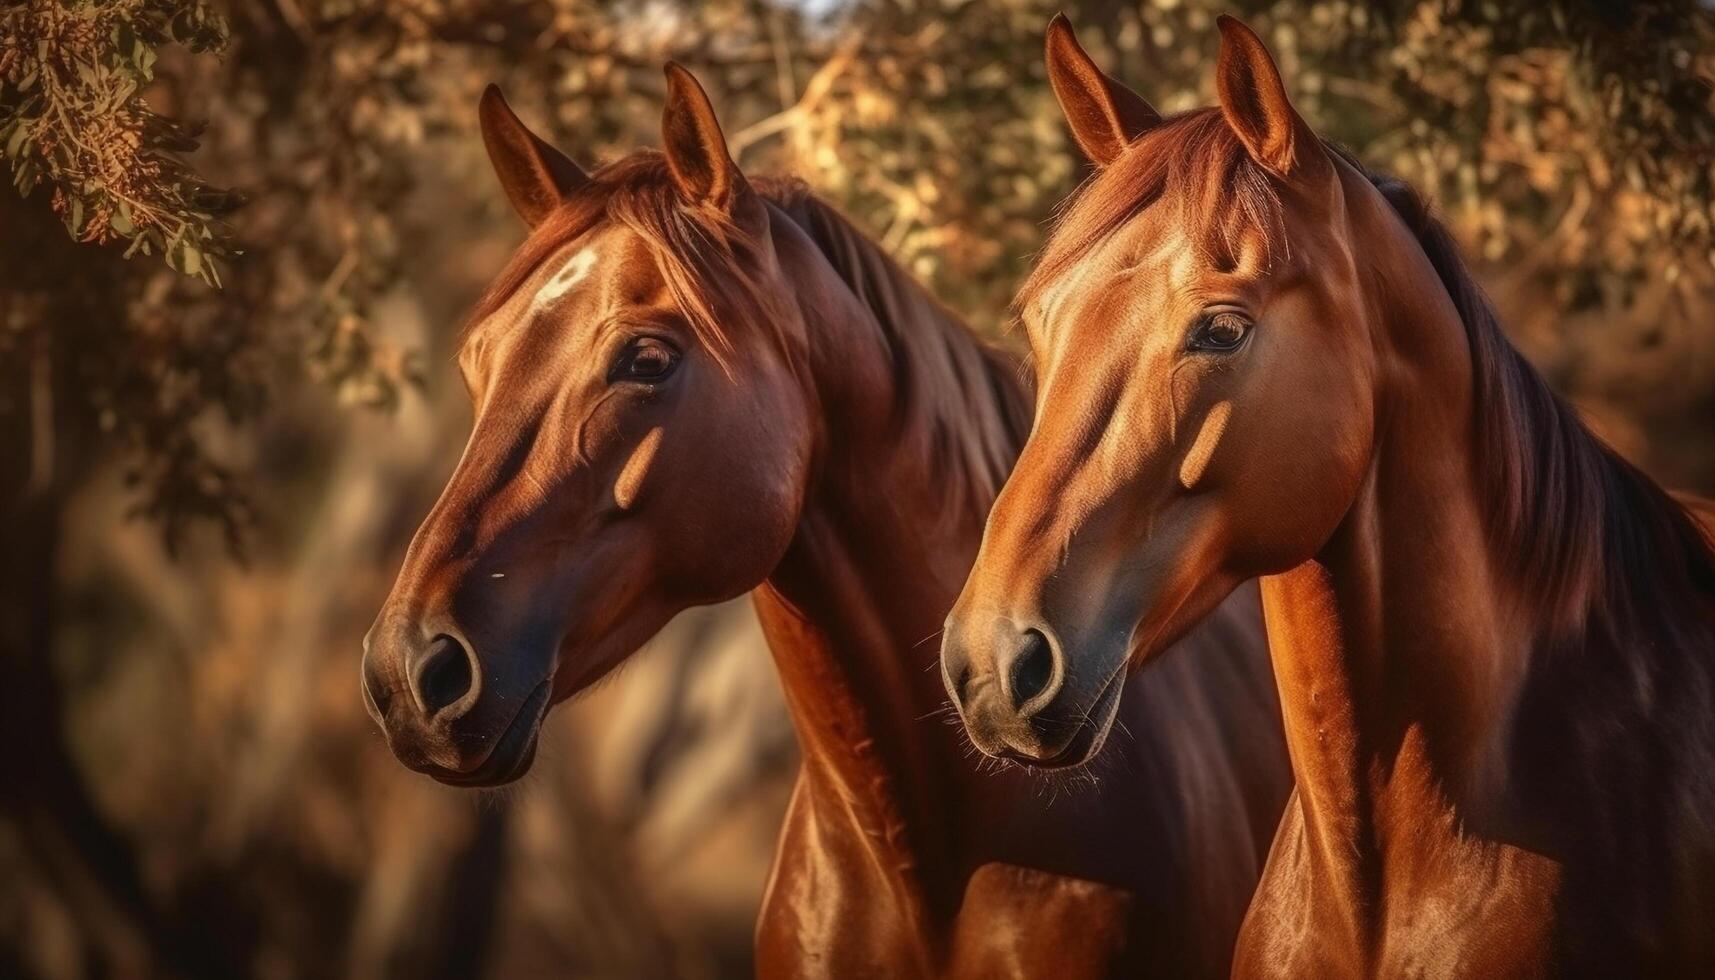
x=1220 y=333
x=645 y=360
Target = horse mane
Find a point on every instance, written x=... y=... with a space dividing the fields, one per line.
x=959 y=403
x=1222 y=194
x=1581 y=527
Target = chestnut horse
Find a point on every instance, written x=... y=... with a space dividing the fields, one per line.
x=689 y=385
x=1494 y=638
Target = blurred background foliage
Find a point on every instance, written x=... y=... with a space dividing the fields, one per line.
x=240 y=227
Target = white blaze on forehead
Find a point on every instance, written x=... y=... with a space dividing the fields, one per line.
x=576 y=269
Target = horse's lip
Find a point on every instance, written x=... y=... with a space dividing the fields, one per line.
x=1091 y=733
x=512 y=752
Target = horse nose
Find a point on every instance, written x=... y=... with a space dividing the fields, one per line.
x=430 y=699
x=1026 y=673
x=1007 y=683
x=441 y=675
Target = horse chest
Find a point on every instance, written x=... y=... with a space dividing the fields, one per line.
x=1467 y=909
x=1020 y=922
x=834 y=910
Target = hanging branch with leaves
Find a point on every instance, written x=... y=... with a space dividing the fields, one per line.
x=75 y=118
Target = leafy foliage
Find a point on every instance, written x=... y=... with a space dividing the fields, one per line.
x=73 y=116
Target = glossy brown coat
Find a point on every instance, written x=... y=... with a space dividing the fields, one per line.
x=1494 y=638
x=774 y=406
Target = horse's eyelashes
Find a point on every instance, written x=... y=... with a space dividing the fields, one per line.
x=1221 y=332
x=646 y=360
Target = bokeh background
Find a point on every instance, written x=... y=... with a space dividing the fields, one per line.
x=213 y=452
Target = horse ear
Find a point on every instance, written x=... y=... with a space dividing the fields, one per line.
x=1104 y=115
x=1253 y=99
x=535 y=176
x=696 y=150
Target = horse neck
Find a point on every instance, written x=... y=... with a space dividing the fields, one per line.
x=919 y=425
x=1396 y=669
x=1397 y=652
x=1411 y=647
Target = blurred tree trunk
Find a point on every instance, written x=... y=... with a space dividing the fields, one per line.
x=42 y=455
x=430 y=901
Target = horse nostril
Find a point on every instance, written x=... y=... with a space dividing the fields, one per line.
x=1032 y=668
x=443 y=675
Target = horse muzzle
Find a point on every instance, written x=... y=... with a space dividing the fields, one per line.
x=441 y=718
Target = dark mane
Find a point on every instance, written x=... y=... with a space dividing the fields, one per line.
x=1220 y=193
x=1581 y=527
x=959 y=403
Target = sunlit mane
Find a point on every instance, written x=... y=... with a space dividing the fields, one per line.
x=1192 y=163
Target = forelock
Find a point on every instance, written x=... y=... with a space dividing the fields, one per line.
x=709 y=262
x=1192 y=166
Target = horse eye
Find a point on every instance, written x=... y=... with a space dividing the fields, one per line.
x=1221 y=333
x=645 y=360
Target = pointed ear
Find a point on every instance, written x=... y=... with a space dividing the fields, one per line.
x=696 y=150
x=1104 y=115
x=535 y=176
x=1253 y=98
